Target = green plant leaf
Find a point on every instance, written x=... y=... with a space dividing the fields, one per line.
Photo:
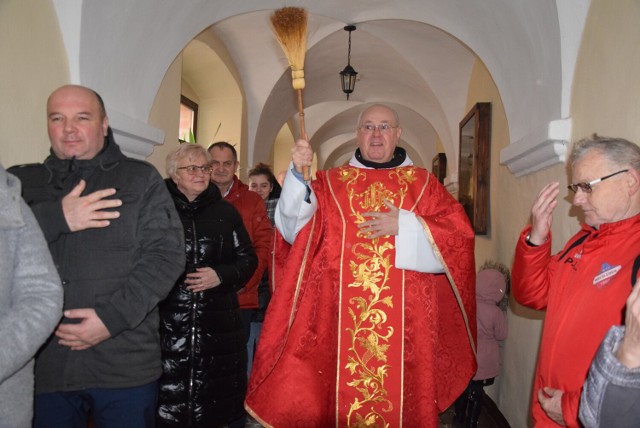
x=218 y=129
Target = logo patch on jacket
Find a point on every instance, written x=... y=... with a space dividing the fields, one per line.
x=606 y=273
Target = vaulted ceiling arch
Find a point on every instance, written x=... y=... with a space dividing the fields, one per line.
x=124 y=49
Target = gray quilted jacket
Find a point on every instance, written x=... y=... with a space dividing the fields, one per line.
x=30 y=302
x=611 y=394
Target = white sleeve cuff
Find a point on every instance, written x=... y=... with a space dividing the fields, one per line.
x=413 y=249
x=293 y=212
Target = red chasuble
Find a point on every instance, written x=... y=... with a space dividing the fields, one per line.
x=349 y=340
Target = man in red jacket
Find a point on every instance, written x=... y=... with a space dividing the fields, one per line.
x=584 y=287
x=224 y=161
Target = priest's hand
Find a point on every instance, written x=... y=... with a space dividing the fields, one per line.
x=301 y=155
x=381 y=223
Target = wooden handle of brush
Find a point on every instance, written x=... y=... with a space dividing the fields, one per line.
x=306 y=173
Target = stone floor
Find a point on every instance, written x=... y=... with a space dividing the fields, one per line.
x=489 y=418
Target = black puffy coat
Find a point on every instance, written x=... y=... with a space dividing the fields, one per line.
x=204 y=353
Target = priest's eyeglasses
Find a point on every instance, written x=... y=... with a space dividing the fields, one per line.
x=588 y=187
x=384 y=128
x=193 y=169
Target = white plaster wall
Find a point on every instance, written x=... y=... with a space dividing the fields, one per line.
x=215 y=111
x=281 y=155
x=165 y=114
x=606 y=96
x=34 y=63
x=571 y=16
x=188 y=92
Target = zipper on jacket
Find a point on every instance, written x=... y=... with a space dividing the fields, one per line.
x=192 y=326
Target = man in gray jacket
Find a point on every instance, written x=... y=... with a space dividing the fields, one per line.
x=30 y=302
x=118 y=245
x=611 y=395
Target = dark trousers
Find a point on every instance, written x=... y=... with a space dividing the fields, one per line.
x=247 y=314
x=469 y=405
x=111 y=408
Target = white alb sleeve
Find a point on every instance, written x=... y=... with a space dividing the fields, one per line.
x=413 y=249
x=296 y=206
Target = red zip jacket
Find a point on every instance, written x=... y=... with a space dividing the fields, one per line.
x=584 y=289
x=254 y=215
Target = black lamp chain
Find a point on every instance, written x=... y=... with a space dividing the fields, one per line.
x=349 y=52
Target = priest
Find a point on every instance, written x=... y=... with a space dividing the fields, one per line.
x=373 y=317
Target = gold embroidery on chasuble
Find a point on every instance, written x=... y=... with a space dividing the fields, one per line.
x=370 y=355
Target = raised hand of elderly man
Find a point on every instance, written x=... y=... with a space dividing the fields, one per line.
x=542 y=213
x=301 y=155
x=87 y=212
x=381 y=223
x=629 y=350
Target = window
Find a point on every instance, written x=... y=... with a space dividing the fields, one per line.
x=188 y=120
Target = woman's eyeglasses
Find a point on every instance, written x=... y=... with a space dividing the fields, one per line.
x=193 y=169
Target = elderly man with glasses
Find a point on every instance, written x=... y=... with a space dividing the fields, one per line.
x=373 y=317
x=583 y=288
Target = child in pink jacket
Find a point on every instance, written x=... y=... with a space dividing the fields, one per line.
x=491 y=286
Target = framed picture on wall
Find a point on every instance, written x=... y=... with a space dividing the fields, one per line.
x=439 y=167
x=473 y=166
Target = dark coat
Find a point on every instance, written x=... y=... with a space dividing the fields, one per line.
x=204 y=351
x=122 y=271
